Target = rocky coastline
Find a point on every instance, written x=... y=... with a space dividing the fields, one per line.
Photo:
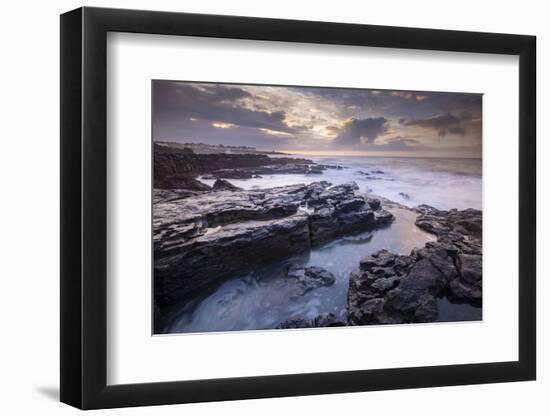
x=178 y=167
x=388 y=288
x=204 y=238
x=205 y=234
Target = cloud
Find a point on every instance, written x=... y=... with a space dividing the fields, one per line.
x=216 y=103
x=332 y=130
x=222 y=93
x=398 y=144
x=443 y=123
x=359 y=131
x=407 y=95
x=313 y=118
x=407 y=144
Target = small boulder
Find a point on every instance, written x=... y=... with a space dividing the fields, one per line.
x=224 y=185
x=311 y=277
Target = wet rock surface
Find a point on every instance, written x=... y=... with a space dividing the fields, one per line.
x=204 y=235
x=311 y=277
x=323 y=320
x=390 y=288
x=202 y=238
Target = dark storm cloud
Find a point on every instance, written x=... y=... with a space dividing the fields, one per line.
x=399 y=103
x=216 y=103
x=443 y=124
x=359 y=131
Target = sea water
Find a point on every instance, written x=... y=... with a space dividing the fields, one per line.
x=443 y=183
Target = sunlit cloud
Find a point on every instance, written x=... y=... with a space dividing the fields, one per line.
x=275 y=132
x=222 y=125
x=406 y=95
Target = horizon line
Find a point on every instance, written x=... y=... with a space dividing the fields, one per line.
x=374 y=154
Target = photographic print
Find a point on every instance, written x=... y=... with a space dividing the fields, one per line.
x=283 y=207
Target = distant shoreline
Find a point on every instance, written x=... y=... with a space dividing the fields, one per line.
x=206 y=148
x=220 y=148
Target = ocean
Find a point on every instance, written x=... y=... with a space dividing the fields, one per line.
x=443 y=183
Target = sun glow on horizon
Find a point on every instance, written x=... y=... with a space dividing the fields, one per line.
x=223 y=125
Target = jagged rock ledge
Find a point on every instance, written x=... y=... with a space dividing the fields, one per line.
x=203 y=238
x=388 y=288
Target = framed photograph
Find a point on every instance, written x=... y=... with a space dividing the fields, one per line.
x=257 y=208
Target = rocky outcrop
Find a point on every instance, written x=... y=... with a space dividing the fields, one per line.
x=182 y=181
x=177 y=167
x=204 y=238
x=224 y=185
x=195 y=257
x=283 y=166
x=311 y=277
x=390 y=288
x=460 y=234
x=323 y=320
x=338 y=210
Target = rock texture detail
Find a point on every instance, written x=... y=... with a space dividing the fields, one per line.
x=202 y=238
x=311 y=277
x=390 y=288
x=323 y=320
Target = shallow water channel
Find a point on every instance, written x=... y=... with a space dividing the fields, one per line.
x=264 y=298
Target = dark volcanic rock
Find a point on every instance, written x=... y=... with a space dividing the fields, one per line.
x=189 y=259
x=275 y=166
x=452 y=223
x=176 y=167
x=182 y=181
x=323 y=320
x=389 y=288
x=225 y=185
x=339 y=211
x=311 y=277
x=202 y=239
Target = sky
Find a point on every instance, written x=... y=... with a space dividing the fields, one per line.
x=314 y=120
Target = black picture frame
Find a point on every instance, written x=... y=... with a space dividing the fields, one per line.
x=84 y=207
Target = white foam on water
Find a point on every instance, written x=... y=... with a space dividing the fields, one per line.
x=443 y=183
